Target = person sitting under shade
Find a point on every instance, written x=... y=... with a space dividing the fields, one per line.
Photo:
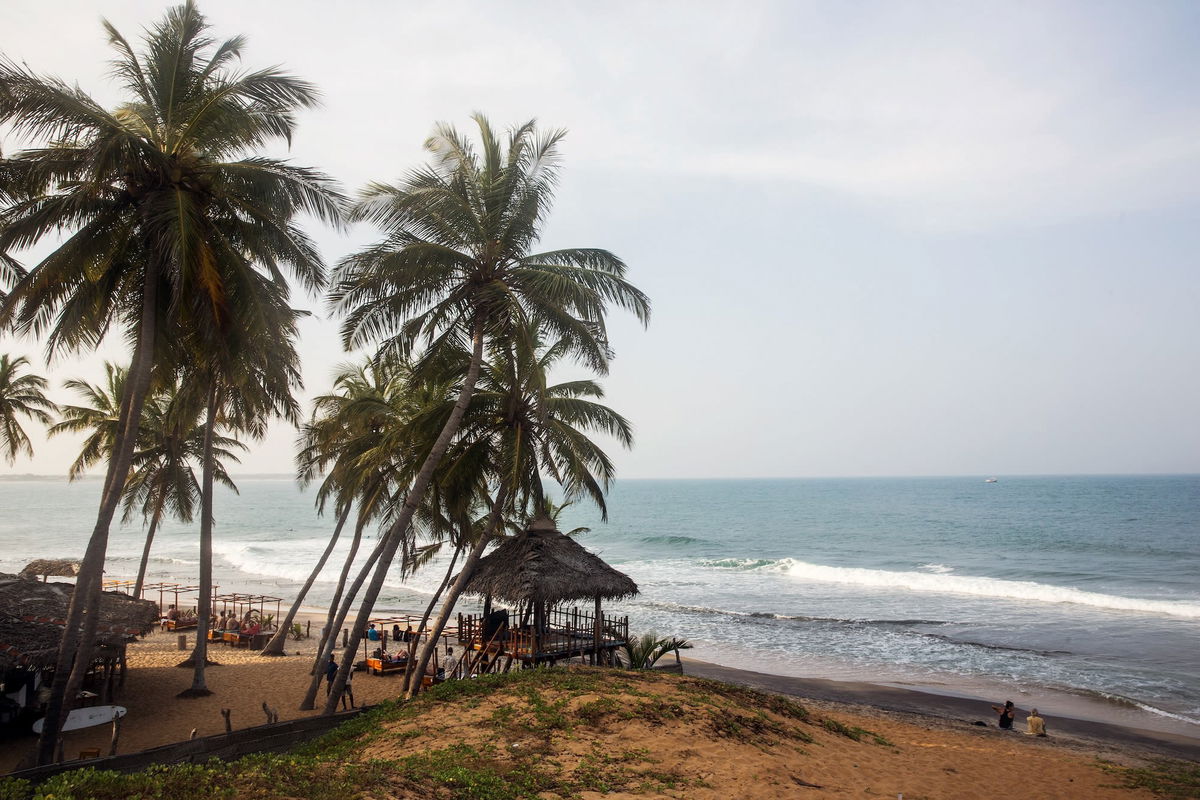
x=495 y=626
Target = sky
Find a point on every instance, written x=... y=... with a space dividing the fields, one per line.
x=885 y=238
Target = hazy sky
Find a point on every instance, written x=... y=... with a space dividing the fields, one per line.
x=880 y=238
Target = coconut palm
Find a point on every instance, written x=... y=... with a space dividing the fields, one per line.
x=246 y=369
x=163 y=477
x=521 y=428
x=363 y=435
x=169 y=444
x=98 y=416
x=24 y=395
x=457 y=265
x=158 y=202
x=343 y=424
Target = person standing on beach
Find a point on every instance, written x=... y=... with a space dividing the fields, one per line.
x=330 y=673
x=1036 y=725
x=1007 y=714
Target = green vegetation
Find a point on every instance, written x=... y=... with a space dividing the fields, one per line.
x=557 y=731
x=1178 y=780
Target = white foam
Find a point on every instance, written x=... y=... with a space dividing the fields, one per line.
x=980 y=587
x=939 y=569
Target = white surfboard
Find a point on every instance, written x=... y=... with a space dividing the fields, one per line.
x=86 y=717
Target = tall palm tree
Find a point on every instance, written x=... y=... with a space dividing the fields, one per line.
x=158 y=200
x=362 y=434
x=331 y=442
x=246 y=368
x=163 y=477
x=168 y=448
x=24 y=395
x=518 y=428
x=457 y=264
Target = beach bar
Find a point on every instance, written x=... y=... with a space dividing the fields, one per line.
x=542 y=574
x=32 y=621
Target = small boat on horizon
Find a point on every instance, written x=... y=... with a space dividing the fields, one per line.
x=989 y=480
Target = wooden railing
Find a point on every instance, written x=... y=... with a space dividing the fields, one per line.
x=564 y=631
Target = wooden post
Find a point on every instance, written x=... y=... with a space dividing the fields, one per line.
x=346 y=637
x=308 y=630
x=182 y=641
x=225 y=712
x=116 y=734
x=598 y=632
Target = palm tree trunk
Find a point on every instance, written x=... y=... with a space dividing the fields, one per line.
x=141 y=576
x=333 y=619
x=275 y=646
x=464 y=575
x=334 y=624
x=409 y=671
x=400 y=527
x=87 y=584
x=204 y=602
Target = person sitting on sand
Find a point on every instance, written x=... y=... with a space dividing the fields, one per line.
x=1036 y=725
x=372 y=633
x=1007 y=715
x=396 y=634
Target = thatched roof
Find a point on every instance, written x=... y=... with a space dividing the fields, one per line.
x=544 y=566
x=53 y=567
x=33 y=615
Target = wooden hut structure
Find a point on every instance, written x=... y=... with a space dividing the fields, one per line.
x=543 y=573
x=32 y=620
x=52 y=568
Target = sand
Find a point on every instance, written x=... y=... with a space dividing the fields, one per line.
x=938 y=753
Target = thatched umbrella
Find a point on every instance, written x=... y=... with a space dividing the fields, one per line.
x=544 y=567
x=32 y=616
x=56 y=567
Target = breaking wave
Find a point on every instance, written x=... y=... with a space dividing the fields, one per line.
x=942 y=583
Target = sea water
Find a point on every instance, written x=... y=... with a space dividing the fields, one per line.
x=1056 y=591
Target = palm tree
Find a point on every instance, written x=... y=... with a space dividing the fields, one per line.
x=169 y=444
x=362 y=433
x=163 y=475
x=456 y=264
x=98 y=416
x=20 y=394
x=521 y=427
x=246 y=368
x=158 y=201
x=342 y=424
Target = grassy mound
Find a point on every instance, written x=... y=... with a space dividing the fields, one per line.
x=547 y=733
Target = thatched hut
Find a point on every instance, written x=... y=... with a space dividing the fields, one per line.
x=542 y=571
x=52 y=567
x=32 y=621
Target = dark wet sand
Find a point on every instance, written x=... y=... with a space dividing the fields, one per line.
x=956 y=711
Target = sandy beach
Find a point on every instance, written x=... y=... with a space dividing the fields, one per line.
x=940 y=747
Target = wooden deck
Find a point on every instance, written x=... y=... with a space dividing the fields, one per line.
x=565 y=634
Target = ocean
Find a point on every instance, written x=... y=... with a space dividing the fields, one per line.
x=1080 y=595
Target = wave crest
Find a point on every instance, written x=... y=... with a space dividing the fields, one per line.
x=941 y=583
